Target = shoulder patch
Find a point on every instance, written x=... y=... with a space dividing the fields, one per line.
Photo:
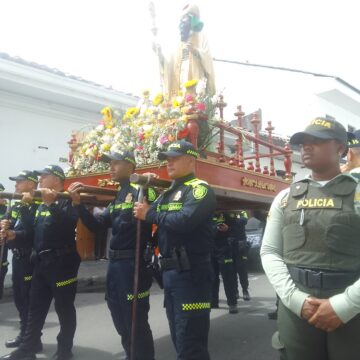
x=151 y=194
x=199 y=191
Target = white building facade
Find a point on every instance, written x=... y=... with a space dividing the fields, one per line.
x=40 y=108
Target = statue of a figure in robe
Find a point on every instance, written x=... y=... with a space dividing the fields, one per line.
x=192 y=59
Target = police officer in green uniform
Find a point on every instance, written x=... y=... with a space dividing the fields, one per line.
x=120 y=273
x=20 y=238
x=352 y=165
x=222 y=261
x=56 y=264
x=3 y=261
x=183 y=215
x=311 y=252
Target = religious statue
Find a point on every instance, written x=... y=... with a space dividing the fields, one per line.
x=192 y=59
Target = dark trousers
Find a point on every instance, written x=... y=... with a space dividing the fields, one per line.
x=223 y=265
x=240 y=257
x=4 y=269
x=187 y=303
x=54 y=277
x=119 y=296
x=21 y=278
x=100 y=243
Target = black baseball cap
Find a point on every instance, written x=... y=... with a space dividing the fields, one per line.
x=25 y=175
x=179 y=148
x=52 y=170
x=353 y=139
x=2 y=187
x=119 y=155
x=322 y=128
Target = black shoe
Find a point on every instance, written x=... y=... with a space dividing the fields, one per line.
x=19 y=355
x=62 y=355
x=13 y=343
x=246 y=295
x=272 y=315
x=233 y=309
x=38 y=348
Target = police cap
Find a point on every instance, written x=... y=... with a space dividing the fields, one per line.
x=179 y=148
x=52 y=170
x=322 y=128
x=354 y=139
x=119 y=155
x=25 y=175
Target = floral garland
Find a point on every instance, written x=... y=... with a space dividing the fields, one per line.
x=145 y=129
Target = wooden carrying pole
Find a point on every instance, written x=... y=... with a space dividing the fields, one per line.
x=87 y=199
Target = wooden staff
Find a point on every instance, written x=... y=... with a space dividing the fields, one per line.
x=87 y=199
x=149 y=181
x=136 y=281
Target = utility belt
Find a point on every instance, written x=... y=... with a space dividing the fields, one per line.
x=121 y=254
x=49 y=254
x=20 y=253
x=322 y=279
x=180 y=260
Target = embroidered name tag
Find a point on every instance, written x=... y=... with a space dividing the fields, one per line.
x=319 y=203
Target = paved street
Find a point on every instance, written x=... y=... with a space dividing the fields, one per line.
x=244 y=336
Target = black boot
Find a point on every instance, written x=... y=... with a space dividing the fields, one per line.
x=19 y=354
x=62 y=355
x=13 y=343
x=246 y=295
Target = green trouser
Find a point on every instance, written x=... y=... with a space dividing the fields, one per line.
x=303 y=341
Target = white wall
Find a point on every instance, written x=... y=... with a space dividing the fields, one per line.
x=23 y=129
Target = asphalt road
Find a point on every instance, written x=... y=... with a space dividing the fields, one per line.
x=245 y=336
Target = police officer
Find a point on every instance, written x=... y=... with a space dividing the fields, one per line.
x=3 y=261
x=56 y=264
x=240 y=248
x=19 y=237
x=311 y=252
x=120 y=274
x=183 y=215
x=222 y=261
x=352 y=165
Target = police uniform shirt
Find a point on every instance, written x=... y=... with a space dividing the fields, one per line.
x=119 y=216
x=184 y=215
x=23 y=217
x=55 y=225
x=355 y=173
x=346 y=305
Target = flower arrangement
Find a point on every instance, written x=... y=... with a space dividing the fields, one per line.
x=145 y=129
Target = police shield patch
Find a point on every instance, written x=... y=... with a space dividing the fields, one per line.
x=199 y=192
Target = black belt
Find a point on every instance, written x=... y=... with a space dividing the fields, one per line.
x=121 y=254
x=20 y=253
x=322 y=279
x=48 y=253
x=170 y=263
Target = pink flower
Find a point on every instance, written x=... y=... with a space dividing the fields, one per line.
x=189 y=98
x=201 y=107
x=139 y=148
x=163 y=139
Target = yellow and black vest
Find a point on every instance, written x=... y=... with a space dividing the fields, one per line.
x=321 y=229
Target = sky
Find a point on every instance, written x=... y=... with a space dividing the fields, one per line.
x=110 y=42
